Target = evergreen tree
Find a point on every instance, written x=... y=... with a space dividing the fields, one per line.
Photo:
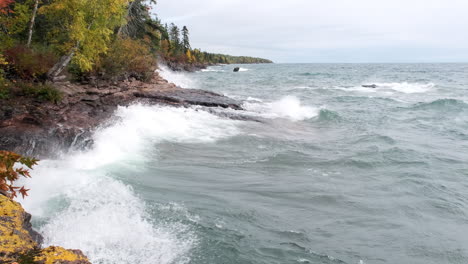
x=174 y=35
x=185 y=39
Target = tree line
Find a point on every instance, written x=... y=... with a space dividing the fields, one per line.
x=39 y=39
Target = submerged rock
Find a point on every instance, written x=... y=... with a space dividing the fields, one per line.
x=18 y=241
x=369 y=86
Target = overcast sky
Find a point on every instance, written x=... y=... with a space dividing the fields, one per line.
x=326 y=30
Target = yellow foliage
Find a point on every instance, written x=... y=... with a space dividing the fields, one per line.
x=128 y=56
x=87 y=27
x=189 y=56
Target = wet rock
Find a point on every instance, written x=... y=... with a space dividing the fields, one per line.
x=191 y=97
x=370 y=86
x=236 y=69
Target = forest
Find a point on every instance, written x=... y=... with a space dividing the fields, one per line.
x=47 y=40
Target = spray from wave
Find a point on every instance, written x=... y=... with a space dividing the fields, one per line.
x=289 y=107
x=178 y=78
x=83 y=206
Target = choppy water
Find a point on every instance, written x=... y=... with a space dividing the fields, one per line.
x=335 y=173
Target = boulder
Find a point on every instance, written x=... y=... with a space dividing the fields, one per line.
x=369 y=86
x=236 y=69
x=18 y=241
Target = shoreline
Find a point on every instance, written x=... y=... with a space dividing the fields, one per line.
x=35 y=128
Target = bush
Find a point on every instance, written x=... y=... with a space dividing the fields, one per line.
x=129 y=58
x=4 y=89
x=29 y=64
x=9 y=174
x=4 y=84
x=42 y=92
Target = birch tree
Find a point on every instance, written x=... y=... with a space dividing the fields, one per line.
x=86 y=28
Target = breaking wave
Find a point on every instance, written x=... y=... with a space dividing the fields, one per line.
x=83 y=206
x=289 y=107
x=178 y=78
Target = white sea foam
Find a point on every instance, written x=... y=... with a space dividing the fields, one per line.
x=289 y=107
x=243 y=69
x=178 y=78
x=88 y=209
x=212 y=69
x=138 y=127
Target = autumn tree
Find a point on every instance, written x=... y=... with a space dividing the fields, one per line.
x=84 y=30
x=9 y=173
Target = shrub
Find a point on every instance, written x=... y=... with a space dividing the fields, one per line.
x=42 y=92
x=128 y=57
x=9 y=174
x=4 y=89
x=4 y=84
x=29 y=64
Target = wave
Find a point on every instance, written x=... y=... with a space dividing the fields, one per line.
x=177 y=78
x=442 y=104
x=328 y=115
x=243 y=69
x=403 y=87
x=289 y=107
x=83 y=206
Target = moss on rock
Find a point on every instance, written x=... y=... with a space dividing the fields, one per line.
x=59 y=255
x=15 y=239
x=19 y=243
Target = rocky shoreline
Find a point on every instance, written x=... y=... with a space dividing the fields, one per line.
x=36 y=128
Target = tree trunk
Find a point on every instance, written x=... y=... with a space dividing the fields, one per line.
x=31 y=23
x=130 y=6
x=60 y=65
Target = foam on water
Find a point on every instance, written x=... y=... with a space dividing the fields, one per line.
x=213 y=69
x=177 y=78
x=85 y=208
x=289 y=107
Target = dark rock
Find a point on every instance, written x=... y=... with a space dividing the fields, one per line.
x=236 y=69
x=370 y=86
x=191 y=97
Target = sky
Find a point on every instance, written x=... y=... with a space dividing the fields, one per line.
x=326 y=31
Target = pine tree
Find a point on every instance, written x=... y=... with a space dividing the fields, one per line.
x=185 y=39
x=174 y=35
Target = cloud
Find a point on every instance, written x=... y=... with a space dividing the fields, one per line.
x=307 y=30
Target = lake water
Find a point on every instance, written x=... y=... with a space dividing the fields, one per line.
x=333 y=172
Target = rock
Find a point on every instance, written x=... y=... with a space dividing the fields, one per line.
x=190 y=97
x=59 y=255
x=236 y=69
x=370 y=86
x=16 y=235
x=19 y=241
